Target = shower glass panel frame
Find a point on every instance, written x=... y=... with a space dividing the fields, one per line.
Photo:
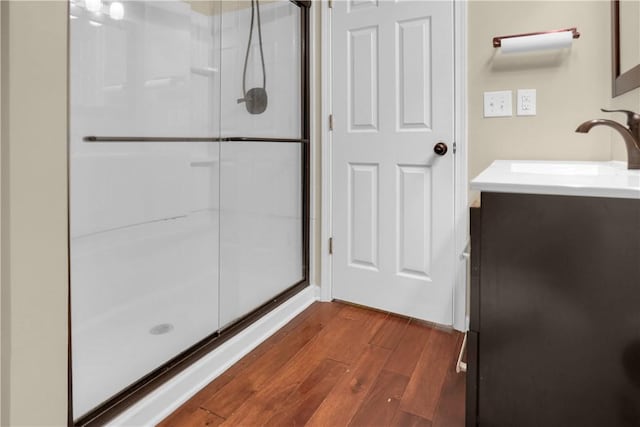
x=235 y=146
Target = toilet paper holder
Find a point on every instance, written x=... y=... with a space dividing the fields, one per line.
x=497 y=41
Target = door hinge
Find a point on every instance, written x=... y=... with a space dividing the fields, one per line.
x=455 y=147
x=330 y=4
x=330 y=245
x=330 y=121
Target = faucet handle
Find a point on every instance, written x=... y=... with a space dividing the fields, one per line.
x=633 y=119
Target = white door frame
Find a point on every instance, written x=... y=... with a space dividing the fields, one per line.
x=461 y=210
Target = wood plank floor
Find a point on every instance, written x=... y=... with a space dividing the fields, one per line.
x=338 y=365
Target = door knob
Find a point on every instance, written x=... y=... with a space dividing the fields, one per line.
x=440 y=148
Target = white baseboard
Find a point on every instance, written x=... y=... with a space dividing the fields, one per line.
x=160 y=403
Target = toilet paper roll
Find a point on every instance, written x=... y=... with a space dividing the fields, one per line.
x=538 y=42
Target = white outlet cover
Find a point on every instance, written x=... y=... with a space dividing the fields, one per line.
x=526 y=104
x=498 y=104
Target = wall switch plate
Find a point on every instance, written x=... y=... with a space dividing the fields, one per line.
x=498 y=104
x=526 y=102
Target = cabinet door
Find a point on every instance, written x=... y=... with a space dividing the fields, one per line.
x=559 y=298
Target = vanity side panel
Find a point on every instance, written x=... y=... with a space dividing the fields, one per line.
x=471 y=408
x=474 y=319
x=474 y=291
x=559 y=298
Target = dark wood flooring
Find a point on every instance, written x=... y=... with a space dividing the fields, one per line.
x=338 y=365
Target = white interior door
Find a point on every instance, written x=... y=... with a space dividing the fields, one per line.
x=393 y=196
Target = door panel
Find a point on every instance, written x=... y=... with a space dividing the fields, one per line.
x=363 y=215
x=414 y=74
x=414 y=221
x=363 y=79
x=392 y=195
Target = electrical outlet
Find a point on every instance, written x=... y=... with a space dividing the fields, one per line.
x=498 y=104
x=526 y=102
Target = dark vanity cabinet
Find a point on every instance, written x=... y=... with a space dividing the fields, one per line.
x=554 y=334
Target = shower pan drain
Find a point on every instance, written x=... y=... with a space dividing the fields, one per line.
x=163 y=328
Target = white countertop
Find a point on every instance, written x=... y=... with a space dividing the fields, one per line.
x=570 y=178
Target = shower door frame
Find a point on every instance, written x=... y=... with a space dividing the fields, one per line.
x=133 y=393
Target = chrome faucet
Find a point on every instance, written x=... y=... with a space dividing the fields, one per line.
x=630 y=134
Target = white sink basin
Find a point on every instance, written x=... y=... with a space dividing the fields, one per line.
x=593 y=179
x=557 y=168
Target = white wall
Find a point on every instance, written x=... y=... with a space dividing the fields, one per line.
x=281 y=46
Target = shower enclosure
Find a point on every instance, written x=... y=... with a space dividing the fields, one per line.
x=188 y=208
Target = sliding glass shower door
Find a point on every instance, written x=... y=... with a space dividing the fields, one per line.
x=186 y=201
x=260 y=181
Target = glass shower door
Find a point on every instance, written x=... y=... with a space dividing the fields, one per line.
x=144 y=210
x=261 y=175
x=187 y=186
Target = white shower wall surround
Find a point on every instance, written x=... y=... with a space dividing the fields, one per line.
x=171 y=241
x=282 y=62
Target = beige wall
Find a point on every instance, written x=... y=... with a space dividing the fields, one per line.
x=34 y=213
x=571 y=86
x=1 y=179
